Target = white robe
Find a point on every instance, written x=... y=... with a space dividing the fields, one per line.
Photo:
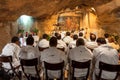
x=80 y=54
x=29 y=52
x=106 y=54
x=53 y=55
x=11 y=49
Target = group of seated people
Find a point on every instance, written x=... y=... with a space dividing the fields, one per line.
x=57 y=49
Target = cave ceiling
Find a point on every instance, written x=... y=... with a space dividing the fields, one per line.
x=10 y=10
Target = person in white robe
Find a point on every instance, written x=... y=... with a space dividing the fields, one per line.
x=12 y=49
x=81 y=54
x=106 y=54
x=43 y=43
x=67 y=39
x=72 y=44
x=53 y=55
x=29 y=52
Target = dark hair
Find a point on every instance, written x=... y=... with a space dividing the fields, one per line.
x=45 y=36
x=14 y=39
x=30 y=40
x=79 y=42
x=53 y=41
x=106 y=35
x=81 y=34
x=82 y=29
x=58 y=36
x=101 y=40
x=92 y=37
x=67 y=33
x=75 y=36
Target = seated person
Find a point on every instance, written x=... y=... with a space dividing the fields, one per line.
x=53 y=55
x=67 y=39
x=60 y=43
x=112 y=43
x=29 y=52
x=92 y=43
x=81 y=54
x=106 y=54
x=12 y=49
x=43 y=43
x=72 y=44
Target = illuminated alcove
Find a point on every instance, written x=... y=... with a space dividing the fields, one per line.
x=25 y=24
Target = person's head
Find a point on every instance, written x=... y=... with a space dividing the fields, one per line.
x=75 y=37
x=79 y=42
x=101 y=40
x=82 y=29
x=45 y=36
x=106 y=35
x=59 y=36
x=80 y=34
x=53 y=42
x=56 y=34
x=30 y=40
x=67 y=33
x=92 y=37
x=111 y=39
x=15 y=40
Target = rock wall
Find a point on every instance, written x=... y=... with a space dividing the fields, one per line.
x=47 y=26
x=109 y=17
x=7 y=30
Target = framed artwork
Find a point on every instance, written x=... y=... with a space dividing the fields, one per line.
x=69 y=23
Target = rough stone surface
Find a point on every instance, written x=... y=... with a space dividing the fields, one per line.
x=107 y=11
x=11 y=10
